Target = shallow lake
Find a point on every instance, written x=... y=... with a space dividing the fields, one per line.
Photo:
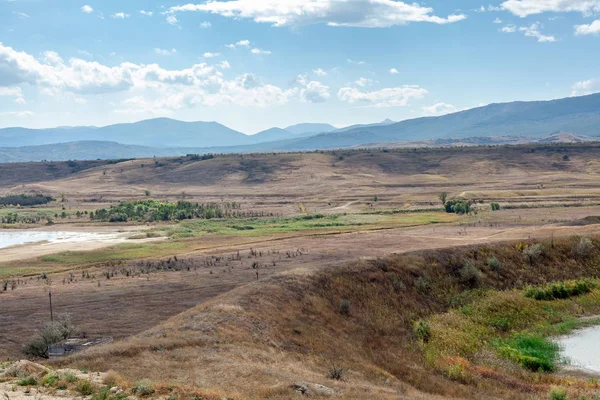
x=12 y=238
x=582 y=348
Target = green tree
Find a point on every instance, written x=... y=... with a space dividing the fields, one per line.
x=443 y=197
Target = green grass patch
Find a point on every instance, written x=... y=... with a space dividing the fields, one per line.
x=512 y=324
x=310 y=222
x=561 y=290
x=532 y=351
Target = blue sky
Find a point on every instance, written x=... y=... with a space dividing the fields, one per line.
x=254 y=64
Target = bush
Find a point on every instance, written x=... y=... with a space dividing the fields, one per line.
x=495 y=206
x=53 y=332
x=344 y=307
x=50 y=380
x=28 y=381
x=534 y=252
x=422 y=284
x=494 y=264
x=143 y=388
x=25 y=200
x=336 y=372
x=561 y=290
x=469 y=274
x=583 y=249
x=557 y=393
x=422 y=331
x=458 y=206
x=84 y=387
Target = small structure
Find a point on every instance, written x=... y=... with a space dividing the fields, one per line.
x=73 y=345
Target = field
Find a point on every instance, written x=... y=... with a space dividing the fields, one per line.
x=262 y=289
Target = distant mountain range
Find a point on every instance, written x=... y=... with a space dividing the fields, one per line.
x=162 y=136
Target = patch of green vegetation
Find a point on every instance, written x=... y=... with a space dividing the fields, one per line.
x=561 y=290
x=512 y=324
x=532 y=351
x=24 y=200
x=84 y=387
x=27 y=381
x=274 y=225
x=50 y=380
x=124 y=251
x=153 y=210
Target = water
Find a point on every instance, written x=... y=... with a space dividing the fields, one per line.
x=13 y=238
x=582 y=348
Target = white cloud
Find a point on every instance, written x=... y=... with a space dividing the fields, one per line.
x=205 y=25
x=224 y=65
x=211 y=55
x=165 y=52
x=20 y=101
x=18 y=114
x=524 y=8
x=260 y=52
x=362 y=82
x=150 y=87
x=171 y=20
x=21 y=15
x=315 y=92
x=497 y=21
x=509 y=29
x=146 y=13
x=240 y=43
x=11 y=91
x=120 y=15
x=585 y=87
x=350 y=61
x=534 y=31
x=394 y=71
x=440 y=108
x=356 y=13
x=319 y=72
x=87 y=9
x=588 y=29
x=388 y=97
x=80 y=100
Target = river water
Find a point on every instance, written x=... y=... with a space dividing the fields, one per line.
x=582 y=348
x=12 y=238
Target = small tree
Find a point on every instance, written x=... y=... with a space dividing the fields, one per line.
x=583 y=248
x=534 y=252
x=53 y=332
x=443 y=197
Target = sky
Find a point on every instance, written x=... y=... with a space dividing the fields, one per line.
x=256 y=64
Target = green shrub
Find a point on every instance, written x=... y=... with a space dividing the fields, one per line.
x=84 y=387
x=53 y=332
x=50 y=380
x=557 y=393
x=534 y=252
x=561 y=290
x=422 y=331
x=344 y=307
x=533 y=352
x=469 y=274
x=143 y=388
x=458 y=206
x=495 y=206
x=494 y=264
x=28 y=381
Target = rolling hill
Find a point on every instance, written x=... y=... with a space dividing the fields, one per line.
x=529 y=121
